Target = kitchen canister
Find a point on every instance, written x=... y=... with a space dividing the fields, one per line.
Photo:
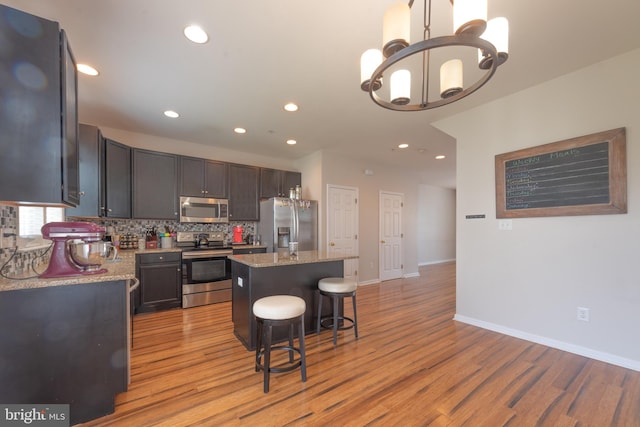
x=166 y=242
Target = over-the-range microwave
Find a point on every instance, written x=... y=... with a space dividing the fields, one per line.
x=200 y=209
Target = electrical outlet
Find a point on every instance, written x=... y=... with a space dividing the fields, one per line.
x=505 y=224
x=240 y=282
x=582 y=314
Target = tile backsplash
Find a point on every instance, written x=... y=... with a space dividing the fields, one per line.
x=26 y=262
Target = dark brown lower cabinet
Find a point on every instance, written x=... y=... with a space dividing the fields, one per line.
x=160 y=281
x=65 y=345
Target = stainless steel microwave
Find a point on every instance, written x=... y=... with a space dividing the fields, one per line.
x=199 y=209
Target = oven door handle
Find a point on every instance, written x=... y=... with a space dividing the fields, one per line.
x=191 y=255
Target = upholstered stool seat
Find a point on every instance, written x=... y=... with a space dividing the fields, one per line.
x=337 y=288
x=279 y=310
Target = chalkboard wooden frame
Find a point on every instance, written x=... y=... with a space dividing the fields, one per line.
x=615 y=140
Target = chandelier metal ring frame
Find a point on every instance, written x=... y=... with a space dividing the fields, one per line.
x=424 y=46
x=492 y=50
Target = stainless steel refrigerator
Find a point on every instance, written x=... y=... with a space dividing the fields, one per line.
x=287 y=220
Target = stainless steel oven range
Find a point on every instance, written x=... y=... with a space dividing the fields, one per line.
x=206 y=271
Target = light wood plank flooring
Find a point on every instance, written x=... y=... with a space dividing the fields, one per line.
x=412 y=366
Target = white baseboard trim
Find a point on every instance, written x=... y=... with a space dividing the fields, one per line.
x=369 y=282
x=406 y=276
x=422 y=264
x=560 y=345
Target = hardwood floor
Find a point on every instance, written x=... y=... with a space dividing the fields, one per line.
x=412 y=366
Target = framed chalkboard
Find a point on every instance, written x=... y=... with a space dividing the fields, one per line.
x=579 y=176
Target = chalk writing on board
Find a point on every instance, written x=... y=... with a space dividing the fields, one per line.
x=576 y=176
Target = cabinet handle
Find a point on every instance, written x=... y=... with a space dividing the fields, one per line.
x=382 y=241
x=161 y=257
x=109 y=210
x=80 y=194
x=178 y=270
x=332 y=244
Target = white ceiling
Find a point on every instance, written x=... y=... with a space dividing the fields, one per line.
x=262 y=54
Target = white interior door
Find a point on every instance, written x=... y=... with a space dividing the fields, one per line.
x=342 y=227
x=391 y=263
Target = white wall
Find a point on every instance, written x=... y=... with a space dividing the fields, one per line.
x=339 y=170
x=436 y=224
x=529 y=282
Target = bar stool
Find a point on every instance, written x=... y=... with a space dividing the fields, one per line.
x=279 y=310
x=337 y=288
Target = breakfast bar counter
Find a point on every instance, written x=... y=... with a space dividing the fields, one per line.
x=259 y=275
x=67 y=340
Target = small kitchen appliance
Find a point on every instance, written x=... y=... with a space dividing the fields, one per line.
x=77 y=250
x=237 y=234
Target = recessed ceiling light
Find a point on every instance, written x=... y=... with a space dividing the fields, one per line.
x=87 y=69
x=196 y=34
x=403 y=145
x=292 y=141
x=440 y=157
x=240 y=130
x=172 y=114
x=291 y=107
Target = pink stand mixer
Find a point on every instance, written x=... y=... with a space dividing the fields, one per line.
x=77 y=250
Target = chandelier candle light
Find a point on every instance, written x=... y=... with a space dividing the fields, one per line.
x=471 y=30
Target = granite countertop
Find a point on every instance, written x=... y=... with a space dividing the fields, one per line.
x=273 y=259
x=123 y=268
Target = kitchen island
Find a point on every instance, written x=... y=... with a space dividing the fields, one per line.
x=66 y=340
x=259 y=275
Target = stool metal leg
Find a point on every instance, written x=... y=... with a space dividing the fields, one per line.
x=355 y=314
x=303 y=357
x=267 y=355
x=319 y=311
x=291 y=328
x=259 y=325
x=335 y=319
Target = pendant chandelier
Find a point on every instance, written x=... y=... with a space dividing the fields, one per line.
x=399 y=58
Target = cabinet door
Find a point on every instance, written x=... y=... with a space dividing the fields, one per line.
x=270 y=183
x=277 y=183
x=155 y=185
x=290 y=180
x=243 y=193
x=30 y=123
x=216 y=179
x=160 y=287
x=70 y=156
x=191 y=177
x=117 y=180
x=91 y=169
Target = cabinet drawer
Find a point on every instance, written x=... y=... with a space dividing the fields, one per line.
x=159 y=257
x=243 y=251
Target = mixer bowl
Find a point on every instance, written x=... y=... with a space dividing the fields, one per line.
x=90 y=255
